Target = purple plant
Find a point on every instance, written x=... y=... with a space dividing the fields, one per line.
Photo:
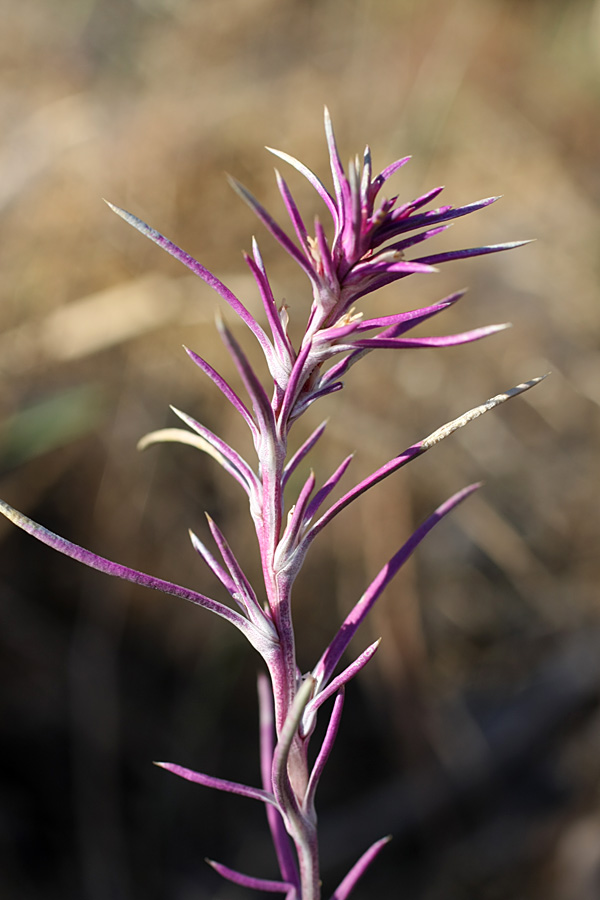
x=368 y=250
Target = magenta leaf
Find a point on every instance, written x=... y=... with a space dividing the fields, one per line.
x=229 y=458
x=257 y=884
x=198 y=269
x=311 y=178
x=219 y=784
x=324 y=752
x=257 y=639
x=358 y=869
x=260 y=401
x=471 y=251
x=225 y=389
x=302 y=451
x=324 y=693
x=272 y=226
x=328 y=662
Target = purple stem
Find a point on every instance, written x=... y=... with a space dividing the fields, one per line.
x=281 y=840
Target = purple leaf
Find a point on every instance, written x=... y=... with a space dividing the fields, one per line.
x=397 y=324
x=225 y=389
x=296 y=516
x=284 y=350
x=229 y=458
x=446 y=340
x=311 y=178
x=353 y=620
x=94 y=561
x=272 y=226
x=293 y=212
x=416 y=450
x=380 y=179
x=257 y=884
x=324 y=693
x=433 y=217
x=342 y=189
x=244 y=591
x=358 y=869
x=219 y=784
x=471 y=251
x=198 y=269
x=327 y=488
x=225 y=579
x=302 y=451
x=260 y=401
x=324 y=752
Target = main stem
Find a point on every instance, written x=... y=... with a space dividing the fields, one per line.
x=283 y=668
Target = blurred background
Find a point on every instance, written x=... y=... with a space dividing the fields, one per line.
x=474 y=735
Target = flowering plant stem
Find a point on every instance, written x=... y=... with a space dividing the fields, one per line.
x=367 y=251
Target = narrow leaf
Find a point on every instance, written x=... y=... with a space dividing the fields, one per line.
x=296 y=518
x=293 y=212
x=236 y=462
x=118 y=571
x=219 y=784
x=223 y=576
x=433 y=217
x=302 y=451
x=260 y=401
x=358 y=870
x=244 y=591
x=471 y=251
x=283 y=347
x=445 y=340
x=324 y=693
x=311 y=178
x=198 y=269
x=354 y=619
x=282 y=787
x=324 y=752
x=272 y=226
x=324 y=492
x=416 y=450
x=248 y=881
x=225 y=389
x=180 y=436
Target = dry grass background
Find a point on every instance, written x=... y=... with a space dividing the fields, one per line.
x=475 y=736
